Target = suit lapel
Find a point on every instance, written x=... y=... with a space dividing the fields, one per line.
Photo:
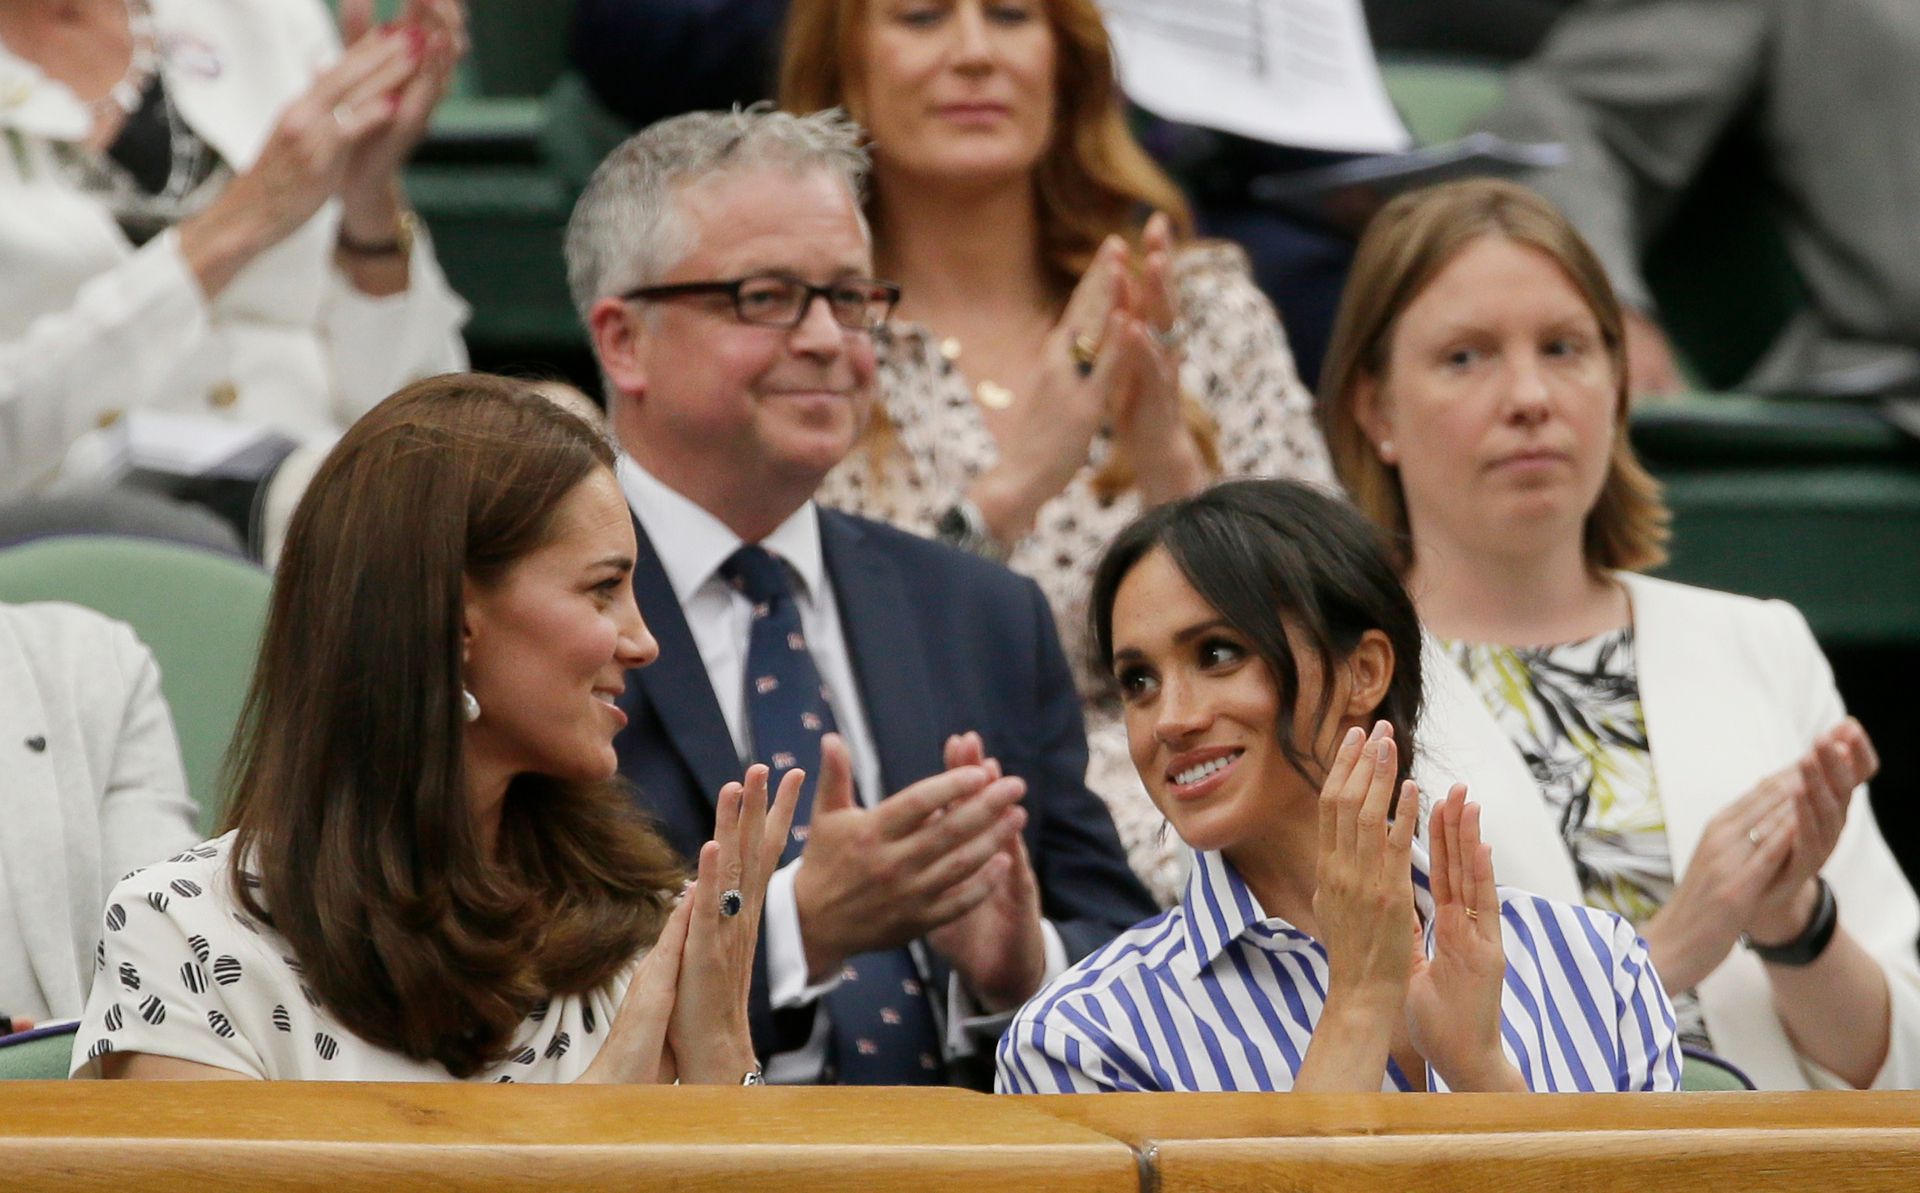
x=1687 y=719
x=676 y=685
x=889 y=659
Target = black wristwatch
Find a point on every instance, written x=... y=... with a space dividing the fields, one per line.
x=1813 y=940
x=963 y=526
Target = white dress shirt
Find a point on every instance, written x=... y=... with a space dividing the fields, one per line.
x=692 y=544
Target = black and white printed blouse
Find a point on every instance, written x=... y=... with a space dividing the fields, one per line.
x=181 y=971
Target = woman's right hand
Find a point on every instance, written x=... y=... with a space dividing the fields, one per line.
x=1363 y=905
x=636 y=1047
x=1046 y=441
x=304 y=161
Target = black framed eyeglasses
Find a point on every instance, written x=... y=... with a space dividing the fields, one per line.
x=776 y=300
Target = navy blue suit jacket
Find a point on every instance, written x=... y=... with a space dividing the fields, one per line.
x=941 y=642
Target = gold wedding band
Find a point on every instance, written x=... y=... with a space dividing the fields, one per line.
x=1084 y=350
x=1472 y=914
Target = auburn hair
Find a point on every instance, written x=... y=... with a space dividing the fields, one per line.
x=347 y=782
x=1405 y=247
x=1093 y=181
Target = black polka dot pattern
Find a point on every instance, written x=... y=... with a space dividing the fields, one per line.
x=586 y=1017
x=116 y=917
x=557 y=1047
x=186 y=888
x=99 y=955
x=100 y=1048
x=525 y=1056
x=201 y=951
x=115 y=1018
x=325 y=1045
x=226 y=970
x=291 y=962
x=246 y=923
x=129 y=976
x=193 y=978
x=281 y=1019
x=539 y=1012
x=221 y=1025
x=185 y=855
x=158 y=901
x=153 y=1010
x=503 y=1079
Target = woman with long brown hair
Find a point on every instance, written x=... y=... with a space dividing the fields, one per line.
x=1057 y=365
x=428 y=871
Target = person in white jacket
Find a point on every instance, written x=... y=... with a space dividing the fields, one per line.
x=200 y=211
x=92 y=788
x=1676 y=755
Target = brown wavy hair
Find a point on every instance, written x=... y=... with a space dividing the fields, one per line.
x=1405 y=247
x=1093 y=181
x=347 y=782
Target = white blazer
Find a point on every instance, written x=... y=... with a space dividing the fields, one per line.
x=90 y=326
x=91 y=787
x=1732 y=689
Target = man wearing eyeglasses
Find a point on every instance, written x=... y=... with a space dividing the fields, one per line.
x=947 y=856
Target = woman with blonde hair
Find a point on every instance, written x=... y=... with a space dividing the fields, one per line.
x=1676 y=755
x=1057 y=366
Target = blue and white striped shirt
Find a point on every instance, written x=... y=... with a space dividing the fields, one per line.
x=1215 y=995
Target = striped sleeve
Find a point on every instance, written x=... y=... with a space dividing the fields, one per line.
x=1649 y=1040
x=1045 y=1051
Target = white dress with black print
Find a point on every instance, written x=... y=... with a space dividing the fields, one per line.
x=181 y=971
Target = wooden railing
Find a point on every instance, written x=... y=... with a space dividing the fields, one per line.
x=149 y=1138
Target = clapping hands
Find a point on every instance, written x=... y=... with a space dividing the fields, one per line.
x=1381 y=980
x=685 y=1012
x=1754 y=868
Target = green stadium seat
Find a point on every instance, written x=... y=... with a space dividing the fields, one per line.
x=200 y=613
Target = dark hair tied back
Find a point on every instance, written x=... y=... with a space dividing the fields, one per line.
x=1272 y=556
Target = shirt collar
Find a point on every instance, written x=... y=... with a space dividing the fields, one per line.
x=1220 y=906
x=692 y=543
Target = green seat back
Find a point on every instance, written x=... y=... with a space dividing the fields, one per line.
x=1702 y=1072
x=201 y=614
x=44 y=1059
x=1442 y=101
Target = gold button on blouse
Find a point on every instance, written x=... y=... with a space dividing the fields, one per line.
x=223 y=395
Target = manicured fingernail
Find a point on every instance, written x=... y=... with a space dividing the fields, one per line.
x=1353 y=738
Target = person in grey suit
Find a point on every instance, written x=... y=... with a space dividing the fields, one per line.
x=1642 y=92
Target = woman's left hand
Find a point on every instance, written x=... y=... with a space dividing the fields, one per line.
x=1453 y=998
x=1151 y=418
x=370 y=193
x=1819 y=786
x=708 y=1036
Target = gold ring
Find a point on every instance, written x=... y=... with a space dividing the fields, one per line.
x=1472 y=914
x=1084 y=350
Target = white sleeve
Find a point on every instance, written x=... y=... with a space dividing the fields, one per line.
x=102 y=353
x=786 y=950
x=156 y=986
x=376 y=345
x=1877 y=904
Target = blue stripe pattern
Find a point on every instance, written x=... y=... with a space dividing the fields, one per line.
x=1214 y=995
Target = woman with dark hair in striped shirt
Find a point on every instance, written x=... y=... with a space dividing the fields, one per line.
x=1269 y=663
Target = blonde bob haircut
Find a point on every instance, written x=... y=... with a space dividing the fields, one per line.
x=1405 y=247
x=1094 y=179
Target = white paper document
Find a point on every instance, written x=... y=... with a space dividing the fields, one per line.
x=1292 y=72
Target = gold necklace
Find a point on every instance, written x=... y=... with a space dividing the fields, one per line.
x=991 y=394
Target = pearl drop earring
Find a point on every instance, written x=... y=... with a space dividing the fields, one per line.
x=1386 y=451
x=469 y=706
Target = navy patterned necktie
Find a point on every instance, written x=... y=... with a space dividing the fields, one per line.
x=883 y=1028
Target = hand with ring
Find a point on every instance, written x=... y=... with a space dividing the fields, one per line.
x=708 y=1036
x=1453 y=997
